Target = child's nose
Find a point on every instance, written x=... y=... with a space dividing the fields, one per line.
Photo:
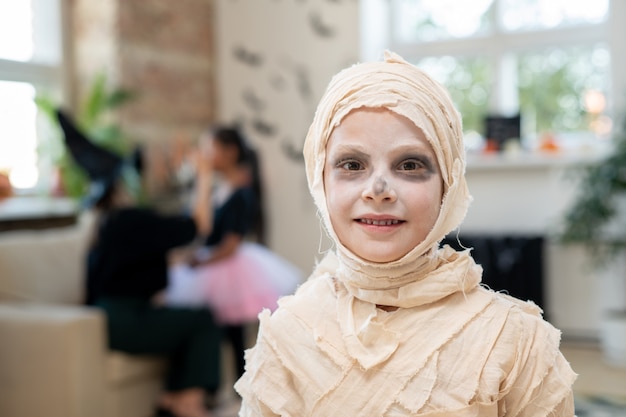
x=379 y=188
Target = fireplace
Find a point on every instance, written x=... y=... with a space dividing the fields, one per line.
x=513 y=264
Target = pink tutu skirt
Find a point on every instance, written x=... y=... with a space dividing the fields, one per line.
x=237 y=289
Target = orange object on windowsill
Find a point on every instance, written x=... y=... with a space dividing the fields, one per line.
x=548 y=143
x=6 y=190
x=491 y=146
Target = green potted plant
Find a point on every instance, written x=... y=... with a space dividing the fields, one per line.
x=93 y=117
x=596 y=219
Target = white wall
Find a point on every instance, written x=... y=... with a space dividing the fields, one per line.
x=275 y=58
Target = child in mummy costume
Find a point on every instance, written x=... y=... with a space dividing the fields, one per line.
x=389 y=323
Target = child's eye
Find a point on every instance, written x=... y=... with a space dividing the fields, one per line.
x=350 y=165
x=410 y=165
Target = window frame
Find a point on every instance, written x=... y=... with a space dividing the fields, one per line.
x=45 y=76
x=377 y=21
x=42 y=73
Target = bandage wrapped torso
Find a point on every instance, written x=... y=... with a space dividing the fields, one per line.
x=471 y=353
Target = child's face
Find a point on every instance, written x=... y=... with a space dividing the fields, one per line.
x=221 y=156
x=382 y=183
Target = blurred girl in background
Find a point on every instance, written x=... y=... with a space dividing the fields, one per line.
x=233 y=272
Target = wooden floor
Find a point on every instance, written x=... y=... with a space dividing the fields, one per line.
x=595 y=377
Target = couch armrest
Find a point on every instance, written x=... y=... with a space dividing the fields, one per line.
x=45 y=266
x=51 y=360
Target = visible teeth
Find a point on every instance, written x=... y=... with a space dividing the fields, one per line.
x=379 y=222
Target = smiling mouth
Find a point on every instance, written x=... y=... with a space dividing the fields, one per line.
x=373 y=222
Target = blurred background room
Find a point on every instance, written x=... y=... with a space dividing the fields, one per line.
x=541 y=86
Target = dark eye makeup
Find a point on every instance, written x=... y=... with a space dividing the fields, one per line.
x=416 y=163
x=412 y=164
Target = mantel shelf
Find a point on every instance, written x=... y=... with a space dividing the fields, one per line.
x=531 y=160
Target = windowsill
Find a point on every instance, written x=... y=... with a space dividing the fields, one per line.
x=36 y=212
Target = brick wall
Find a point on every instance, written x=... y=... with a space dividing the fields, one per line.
x=161 y=49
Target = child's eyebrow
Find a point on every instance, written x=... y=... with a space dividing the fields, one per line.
x=356 y=151
x=359 y=151
x=414 y=147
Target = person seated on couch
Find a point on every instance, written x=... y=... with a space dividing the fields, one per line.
x=127 y=269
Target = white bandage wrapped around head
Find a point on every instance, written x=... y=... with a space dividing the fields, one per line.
x=400 y=87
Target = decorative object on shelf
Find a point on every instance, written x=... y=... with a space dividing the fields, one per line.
x=597 y=220
x=548 y=143
x=6 y=190
x=501 y=131
x=93 y=116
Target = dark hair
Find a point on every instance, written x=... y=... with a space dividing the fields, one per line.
x=231 y=137
x=248 y=157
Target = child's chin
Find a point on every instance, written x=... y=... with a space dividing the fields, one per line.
x=379 y=257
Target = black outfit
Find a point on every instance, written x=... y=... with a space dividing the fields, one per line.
x=236 y=216
x=126 y=267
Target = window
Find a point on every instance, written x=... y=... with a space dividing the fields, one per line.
x=30 y=62
x=548 y=60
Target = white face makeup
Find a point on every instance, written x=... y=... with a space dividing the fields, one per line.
x=382 y=183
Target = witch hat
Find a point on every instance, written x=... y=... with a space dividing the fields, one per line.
x=102 y=166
